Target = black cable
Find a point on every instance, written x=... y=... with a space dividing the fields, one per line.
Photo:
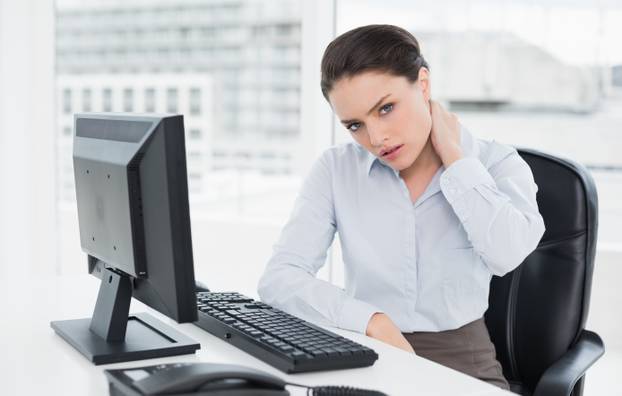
x=338 y=391
x=341 y=391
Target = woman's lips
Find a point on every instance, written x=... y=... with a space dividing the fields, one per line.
x=392 y=153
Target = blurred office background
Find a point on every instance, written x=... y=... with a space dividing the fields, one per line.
x=245 y=74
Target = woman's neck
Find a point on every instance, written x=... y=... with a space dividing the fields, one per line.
x=428 y=161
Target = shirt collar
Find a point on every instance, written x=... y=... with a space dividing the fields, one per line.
x=467 y=142
x=370 y=160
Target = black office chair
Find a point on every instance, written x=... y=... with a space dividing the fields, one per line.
x=538 y=311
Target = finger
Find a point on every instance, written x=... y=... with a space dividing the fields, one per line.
x=440 y=108
x=435 y=109
x=446 y=112
x=455 y=120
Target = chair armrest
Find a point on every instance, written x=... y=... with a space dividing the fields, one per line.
x=560 y=378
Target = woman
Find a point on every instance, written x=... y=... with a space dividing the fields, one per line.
x=426 y=213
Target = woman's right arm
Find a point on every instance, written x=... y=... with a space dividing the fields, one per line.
x=289 y=281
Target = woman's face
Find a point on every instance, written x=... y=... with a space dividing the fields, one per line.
x=387 y=115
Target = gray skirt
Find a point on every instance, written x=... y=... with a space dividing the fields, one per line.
x=467 y=349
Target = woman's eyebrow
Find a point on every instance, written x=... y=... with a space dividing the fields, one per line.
x=378 y=103
x=345 y=122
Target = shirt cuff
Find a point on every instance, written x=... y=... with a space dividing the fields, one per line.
x=355 y=315
x=462 y=176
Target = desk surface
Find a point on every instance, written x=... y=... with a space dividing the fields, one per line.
x=37 y=361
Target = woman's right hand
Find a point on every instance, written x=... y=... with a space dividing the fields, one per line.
x=382 y=328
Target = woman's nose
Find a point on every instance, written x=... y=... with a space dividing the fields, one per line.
x=377 y=135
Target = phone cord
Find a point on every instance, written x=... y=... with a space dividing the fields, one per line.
x=338 y=391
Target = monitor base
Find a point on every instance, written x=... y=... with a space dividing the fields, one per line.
x=146 y=337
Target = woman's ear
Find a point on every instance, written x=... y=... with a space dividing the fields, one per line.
x=424 y=82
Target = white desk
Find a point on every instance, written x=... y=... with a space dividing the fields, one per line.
x=34 y=360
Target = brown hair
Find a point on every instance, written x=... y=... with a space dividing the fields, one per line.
x=384 y=48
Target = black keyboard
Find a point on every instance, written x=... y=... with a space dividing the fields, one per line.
x=284 y=341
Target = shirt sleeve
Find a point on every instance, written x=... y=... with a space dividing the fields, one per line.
x=289 y=281
x=497 y=208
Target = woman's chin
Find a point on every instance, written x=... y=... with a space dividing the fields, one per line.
x=399 y=164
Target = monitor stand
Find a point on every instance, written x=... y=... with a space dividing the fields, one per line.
x=110 y=336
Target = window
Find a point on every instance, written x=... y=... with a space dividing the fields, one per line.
x=107 y=99
x=86 y=100
x=284 y=30
x=205 y=85
x=128 y=100
x=150 y=99
x=195 y=101
x=67 y=101
x=171 y=100
x=195 y=133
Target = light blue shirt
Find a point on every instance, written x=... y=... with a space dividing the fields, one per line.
x=427 y=264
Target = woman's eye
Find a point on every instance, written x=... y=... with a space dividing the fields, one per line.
x=353 y=127
x=386 y=108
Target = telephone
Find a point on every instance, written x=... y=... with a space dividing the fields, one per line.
x=194 y=378
x=210 y=379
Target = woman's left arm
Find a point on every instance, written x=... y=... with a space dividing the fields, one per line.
x=497 y=207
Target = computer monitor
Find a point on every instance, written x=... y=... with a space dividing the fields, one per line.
x=133 y=214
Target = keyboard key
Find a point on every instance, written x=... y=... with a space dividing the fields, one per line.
x=298 y=354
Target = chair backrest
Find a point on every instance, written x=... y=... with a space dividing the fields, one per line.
x=538 y=310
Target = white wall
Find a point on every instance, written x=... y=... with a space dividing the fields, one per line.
x=27 y=211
